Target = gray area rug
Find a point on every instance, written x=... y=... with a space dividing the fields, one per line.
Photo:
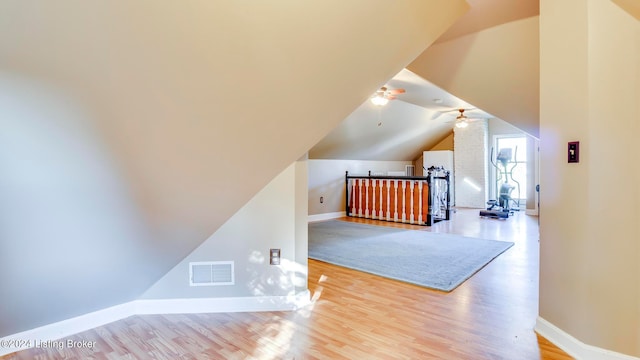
x=434 y=260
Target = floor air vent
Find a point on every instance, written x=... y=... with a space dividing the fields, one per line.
x=211 y=273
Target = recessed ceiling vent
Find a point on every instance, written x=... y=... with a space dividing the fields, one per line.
x=211 y=273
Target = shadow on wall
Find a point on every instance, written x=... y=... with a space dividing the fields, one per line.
x=278 y=279
x=69 y=225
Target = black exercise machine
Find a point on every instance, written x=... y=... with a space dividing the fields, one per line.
x=501 y=208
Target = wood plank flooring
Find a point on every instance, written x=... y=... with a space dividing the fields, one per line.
x=359 y=316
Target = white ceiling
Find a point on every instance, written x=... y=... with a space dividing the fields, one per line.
x=423 y=93
x=400 y=130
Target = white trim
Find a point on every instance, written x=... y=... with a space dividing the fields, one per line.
x=575 y=347
x=98 y=318
x=66 y=328
x=327 y=216
x=218 y=305
x=532 y=212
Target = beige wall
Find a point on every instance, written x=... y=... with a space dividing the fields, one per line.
x=589 y=249
x=631 y=6
x=187 y=111
x=268 y=220
x=496 y=69
x=445 y=144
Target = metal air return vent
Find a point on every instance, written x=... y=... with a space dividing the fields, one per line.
x=211 y=273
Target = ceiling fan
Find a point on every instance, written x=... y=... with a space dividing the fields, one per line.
x=462 y=121
x=382 y=96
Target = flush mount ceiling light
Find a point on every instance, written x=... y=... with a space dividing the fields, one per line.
x=462 y=121
x=382 y=96
x=461 y=124
x=379 y=100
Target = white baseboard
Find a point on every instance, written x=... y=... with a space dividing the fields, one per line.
x=575 y=347
x=51 y=332
x=327 y=216
x=217 y=305
x=28 y=339
x=532 y=212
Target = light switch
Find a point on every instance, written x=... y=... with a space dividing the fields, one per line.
x=573 y=152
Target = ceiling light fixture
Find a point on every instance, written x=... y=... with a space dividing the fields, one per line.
x=379 y=100
x=383 y=95
x=461 y=124
x=461 y=120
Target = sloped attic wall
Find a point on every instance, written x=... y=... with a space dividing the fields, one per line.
x=496 y=69
x=132 y=130
x=274 y=219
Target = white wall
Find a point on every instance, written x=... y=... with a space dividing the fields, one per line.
x=326 y=179
x=471 y=160
x=302 y=222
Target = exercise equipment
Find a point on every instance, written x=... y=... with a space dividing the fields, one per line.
x=501 y=207
x=439 y=194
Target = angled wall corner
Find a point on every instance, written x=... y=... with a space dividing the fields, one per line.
x=630 y=6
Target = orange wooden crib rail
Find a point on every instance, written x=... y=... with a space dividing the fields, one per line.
x=403 y=199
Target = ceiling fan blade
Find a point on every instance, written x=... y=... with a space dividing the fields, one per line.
x=458 y=110
x=448 y=111
x=396 y=91
x=436 y=115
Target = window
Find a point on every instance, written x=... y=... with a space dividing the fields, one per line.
x=516 y=170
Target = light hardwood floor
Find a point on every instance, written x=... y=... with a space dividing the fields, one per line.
x=360 y=316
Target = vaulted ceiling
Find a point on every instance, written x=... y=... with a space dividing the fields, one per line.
x=487 y=61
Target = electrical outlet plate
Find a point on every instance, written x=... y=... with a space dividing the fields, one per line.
x=274 y=256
